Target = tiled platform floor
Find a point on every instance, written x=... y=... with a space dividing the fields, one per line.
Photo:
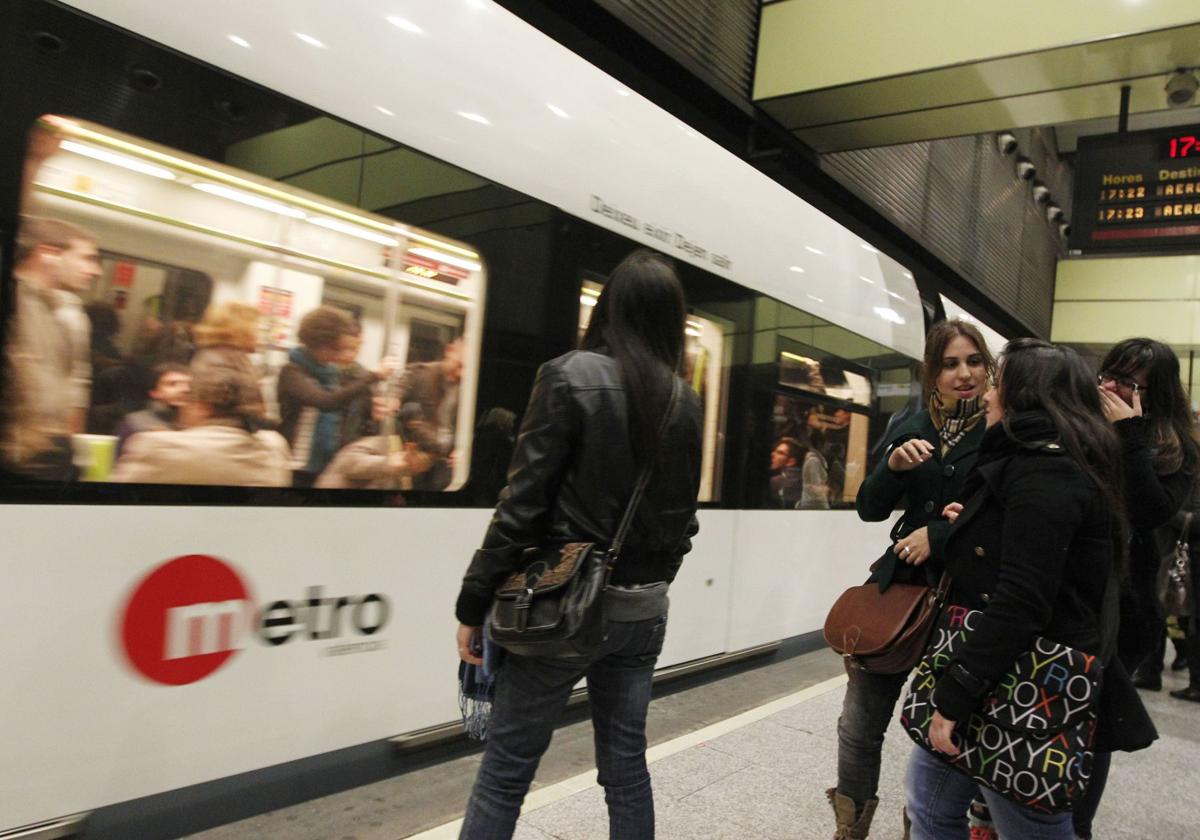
x=762 y=780
x=766 y=780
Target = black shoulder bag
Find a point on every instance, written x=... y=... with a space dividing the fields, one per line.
x=554 y=607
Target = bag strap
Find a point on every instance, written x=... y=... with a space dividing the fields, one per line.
x=644 y=477
x=1185 y=530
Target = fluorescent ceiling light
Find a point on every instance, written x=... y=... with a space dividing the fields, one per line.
x=240 y=41
x=814 y=250
x=866 y=279
x=871 y=248
x=353 y=230
x=310 y=40
x=587 y=300
x=593 y=292
x=817 y=299
x=908 y=274
x=250 y=199
x=385 y=111
x=623 y=92
x=429 y=253
x=694 y=324
x=889 y=315
x=477 y=118
x=405 y=24
x=694 y=333
x=896 y=296
x=796 y=269
x=558 y=112
x=118 y=160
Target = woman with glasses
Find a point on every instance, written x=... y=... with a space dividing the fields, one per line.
x=1142 y=396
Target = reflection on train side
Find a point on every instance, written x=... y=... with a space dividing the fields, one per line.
x=179 y=321
x=819 y=457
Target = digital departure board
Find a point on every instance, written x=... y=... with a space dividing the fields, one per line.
x=1138 y=191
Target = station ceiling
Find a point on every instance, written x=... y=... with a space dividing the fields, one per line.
x=871 y=73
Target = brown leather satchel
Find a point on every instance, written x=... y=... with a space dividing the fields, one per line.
x=884 y=632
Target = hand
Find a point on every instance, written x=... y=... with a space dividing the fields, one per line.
x=914 y=549
x=951 y=511
x=468 y=640
x=910 y=455
x=940 y=730
x=1116 y=409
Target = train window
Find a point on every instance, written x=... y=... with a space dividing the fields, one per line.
x=705 y=368
x=819 y=455
x=180 y=321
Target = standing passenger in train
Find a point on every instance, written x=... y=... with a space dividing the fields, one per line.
x=223 y=442
x=311 y=394
x=596 y=417
x=81 y=266
x=814 y=494
x=51 y=256
x=787 y=482
x=1142 y=397
x=430 y=412
x=923 y=467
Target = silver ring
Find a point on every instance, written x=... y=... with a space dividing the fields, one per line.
x=906 y=549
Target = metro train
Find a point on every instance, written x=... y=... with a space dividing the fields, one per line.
x=440 y=172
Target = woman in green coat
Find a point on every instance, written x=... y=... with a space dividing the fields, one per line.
x=923 y=468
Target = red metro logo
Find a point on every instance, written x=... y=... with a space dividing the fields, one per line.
x=190 y=616
x=184 y=619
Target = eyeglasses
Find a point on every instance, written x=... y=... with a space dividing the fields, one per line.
x=1121 y=381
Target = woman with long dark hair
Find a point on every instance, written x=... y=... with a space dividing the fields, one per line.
x=592 y=423
x=1032 y=551
x=1142 y=396
x=924 y=466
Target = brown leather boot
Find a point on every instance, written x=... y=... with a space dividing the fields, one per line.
x=852 y=824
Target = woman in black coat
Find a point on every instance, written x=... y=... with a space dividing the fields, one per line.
x=1032 y=550
x=1142 y=397
x=597 y=418
x=924 y=467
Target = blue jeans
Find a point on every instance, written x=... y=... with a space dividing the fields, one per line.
x=531 y=694
x=938 y=796
x=867 y=710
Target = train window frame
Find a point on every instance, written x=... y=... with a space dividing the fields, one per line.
x=419 y=271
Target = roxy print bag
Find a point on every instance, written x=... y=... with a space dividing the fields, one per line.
x=1031 y=740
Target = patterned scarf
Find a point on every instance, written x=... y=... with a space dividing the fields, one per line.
x=953 y=418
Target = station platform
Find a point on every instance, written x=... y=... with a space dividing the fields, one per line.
x=746 y=756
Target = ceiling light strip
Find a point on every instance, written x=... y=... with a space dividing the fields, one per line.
x=274 y=247
x=70 y=127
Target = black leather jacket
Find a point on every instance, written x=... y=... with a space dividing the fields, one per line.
x=573 y=472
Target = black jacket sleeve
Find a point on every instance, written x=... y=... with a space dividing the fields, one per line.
x=1045 y=501
x=1152 y=499
x=882 y=490
x=521 y=517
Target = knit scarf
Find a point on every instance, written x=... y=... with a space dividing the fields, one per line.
x=953 y=418
x=325 y=433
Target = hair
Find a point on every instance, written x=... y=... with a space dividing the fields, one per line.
x=795 y=448
x=228 y=324
x=323 y=327
x=938 y=338
x=639 y=319
x=1163 y=401
x=159 y=371
x=37 y=232
x=1054 y=379
x=229 y=392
